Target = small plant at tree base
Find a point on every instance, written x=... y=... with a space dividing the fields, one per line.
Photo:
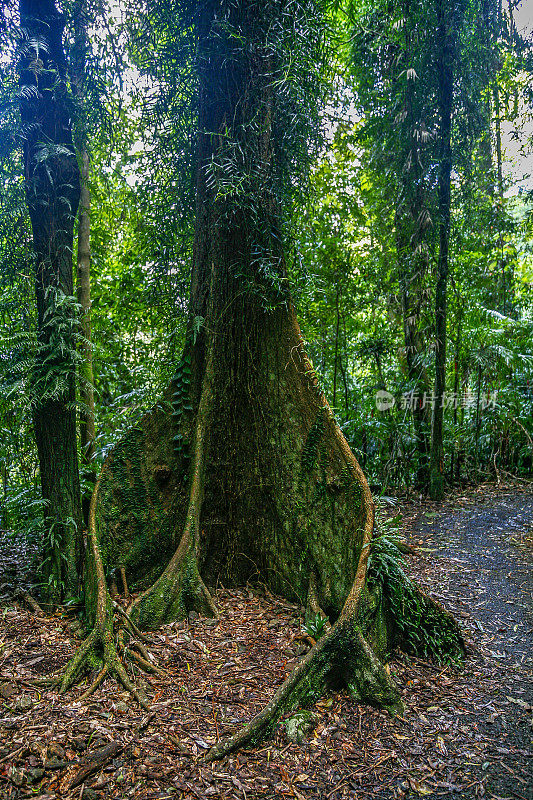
x=315 y=626
x=55 y=558
x=386 y=560
x=421 y=623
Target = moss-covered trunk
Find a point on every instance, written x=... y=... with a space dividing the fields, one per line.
x=282 y=497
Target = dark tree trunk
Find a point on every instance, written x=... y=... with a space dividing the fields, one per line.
x=412 y=270
x=413 y=226
x=52 y=194
x=446 y=44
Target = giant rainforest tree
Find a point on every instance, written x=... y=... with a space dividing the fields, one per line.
x=241 y=470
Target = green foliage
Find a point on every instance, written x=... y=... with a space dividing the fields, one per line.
x=386 y=560
x=315 y=626
x=38 y=370
x=181 y=383
x=22 y=516
x=352 y=316
x=181 y=401
x=49 y=571
x=422 y=630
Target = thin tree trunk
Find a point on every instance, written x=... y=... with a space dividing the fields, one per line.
x=498 y=130
x=344 y=370
x=83 y=279
x=379 y=370
x=478 y=415
x=335 y=367
x=412 y=221
x=455 y=463
x=415 y=371
x=445 y=78
x=499 y=172
x=87 y=426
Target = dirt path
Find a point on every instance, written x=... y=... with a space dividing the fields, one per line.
x=479 y=562
x=493 y=576
x=465 y=733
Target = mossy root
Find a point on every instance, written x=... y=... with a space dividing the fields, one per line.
x=99 y=648
x=341 y=656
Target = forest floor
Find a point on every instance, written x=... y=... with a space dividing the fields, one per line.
x=466 y=732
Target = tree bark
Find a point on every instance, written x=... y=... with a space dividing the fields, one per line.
x=87 y=425
x=83 y=267
x=412 y=270
x=52 y=195
x=455 y=467
x=413 y=224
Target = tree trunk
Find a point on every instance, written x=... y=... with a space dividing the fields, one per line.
x=87 y=427
x=83 y=269
x=455 y=467
x=478 y=418
x=413 y=224
x=412 y=270
x=446 y=36
x=336 y=359
x=52 y=194
x=243 y=456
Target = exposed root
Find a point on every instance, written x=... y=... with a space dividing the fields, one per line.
x=26 y=598
x=341 y=656
x=146 y=665
x=144 y=653
x=178 y=590
x=95 y=684
x=99 y=648
x=130 y=623
x=44 y=682
x=125 y=590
